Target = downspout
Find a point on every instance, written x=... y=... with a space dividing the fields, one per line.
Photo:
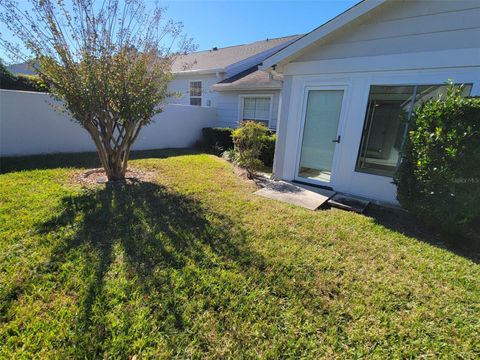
x=272 y=73
x=274 y=166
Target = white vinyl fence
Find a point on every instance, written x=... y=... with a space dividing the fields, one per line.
x=29 y=125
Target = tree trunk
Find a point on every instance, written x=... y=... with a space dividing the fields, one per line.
x=115 y=169
x=114 y=161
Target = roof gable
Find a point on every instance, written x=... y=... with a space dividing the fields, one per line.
x=300 y=45
x=387 y=29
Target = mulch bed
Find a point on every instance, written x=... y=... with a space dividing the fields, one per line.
x=97 y=176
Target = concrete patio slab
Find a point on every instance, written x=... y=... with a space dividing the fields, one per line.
x=315 y=189
x=293 y=194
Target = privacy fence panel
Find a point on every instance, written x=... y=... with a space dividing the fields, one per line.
x=29 y=124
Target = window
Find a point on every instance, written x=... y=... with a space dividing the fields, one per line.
x=196 y=93
x=388 y=113
x=256 y=108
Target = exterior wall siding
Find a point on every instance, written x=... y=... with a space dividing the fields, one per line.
x=405 y=27
x=181 y=85
x=226 y=103
x=228 y=106
x=404 y=42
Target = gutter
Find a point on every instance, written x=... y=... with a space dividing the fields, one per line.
x=217 y=87
x=199 y=72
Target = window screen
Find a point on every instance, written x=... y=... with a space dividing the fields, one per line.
x=196 y=93
x=256 y=109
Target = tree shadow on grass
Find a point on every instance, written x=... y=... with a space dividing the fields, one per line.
x=405 y=223
x=158 y=231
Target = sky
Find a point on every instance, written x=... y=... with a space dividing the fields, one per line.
x=224 y=23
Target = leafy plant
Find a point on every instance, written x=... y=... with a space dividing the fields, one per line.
x=11 y=81
x=268 y=149
x=108 y=62
x=439 y=177
x=249 y=141
x=231 y=155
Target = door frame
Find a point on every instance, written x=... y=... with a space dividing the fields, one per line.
x=341 y=122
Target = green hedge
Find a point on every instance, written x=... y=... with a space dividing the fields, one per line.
x=268 y=150
x=9 y=81
x=217 y=139
x=439 y=177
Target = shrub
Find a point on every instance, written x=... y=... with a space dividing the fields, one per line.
x=217 y=140
x=10 y=81
x=249 y=140
x=439 y=177
x=231 y=155
x=268 y=149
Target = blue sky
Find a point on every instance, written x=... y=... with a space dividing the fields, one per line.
x=225 y=23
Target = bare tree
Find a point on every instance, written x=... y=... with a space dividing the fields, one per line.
x=108 y=61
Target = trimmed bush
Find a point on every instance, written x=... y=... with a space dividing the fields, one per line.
x=9 y=81
x=268 y=150
x=217 y=139
x=249 y=139
x=439 y=177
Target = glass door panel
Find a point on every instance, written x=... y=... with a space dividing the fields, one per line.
x=319 y=134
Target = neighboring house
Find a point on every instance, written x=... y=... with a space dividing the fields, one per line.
x=349 y=88
x=21 y=68
x=229 y=80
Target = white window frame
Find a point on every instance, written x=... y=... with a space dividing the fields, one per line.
x=415 y=85
x=195 y=97
x=241 y=100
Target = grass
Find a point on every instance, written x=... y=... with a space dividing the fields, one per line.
x=193 y=265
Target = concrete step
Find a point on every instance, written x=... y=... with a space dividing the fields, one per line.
x=348 y=203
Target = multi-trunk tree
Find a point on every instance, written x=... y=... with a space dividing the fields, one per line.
x=108 y=62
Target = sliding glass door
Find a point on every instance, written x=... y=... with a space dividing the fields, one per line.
x=320 y=135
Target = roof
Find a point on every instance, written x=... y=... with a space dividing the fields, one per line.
x=299 y=45
x=22 y=68
x=219 y=59
x=250 y=79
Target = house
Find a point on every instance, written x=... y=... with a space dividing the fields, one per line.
x=228 y=79
x=21 y=68
x=350 y=85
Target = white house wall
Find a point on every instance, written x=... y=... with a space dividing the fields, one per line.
x=181 y=85
x=405 y=27
x=346 y=179
x=228 y=106
x=226 y=103
x=403 y=42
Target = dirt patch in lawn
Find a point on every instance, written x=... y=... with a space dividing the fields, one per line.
x=97 y=176
x=260 y=179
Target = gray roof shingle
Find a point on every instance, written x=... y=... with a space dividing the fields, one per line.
x=224 y=57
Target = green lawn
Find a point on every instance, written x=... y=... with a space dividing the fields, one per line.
x=193 y=265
